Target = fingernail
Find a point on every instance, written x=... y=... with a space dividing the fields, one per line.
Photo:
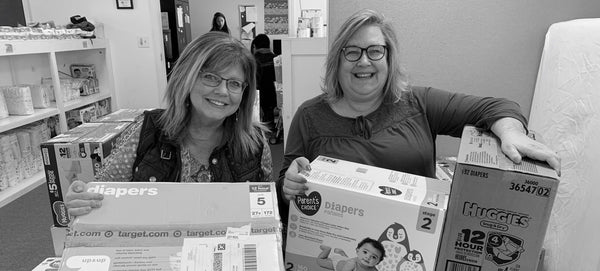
x=98 y=204
x=559 y=173
x=78 y=188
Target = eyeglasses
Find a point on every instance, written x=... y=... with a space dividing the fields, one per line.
x=354 y=53
x=213 y=80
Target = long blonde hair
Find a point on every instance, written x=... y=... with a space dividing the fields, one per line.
x=396 y=82
x=215 y=51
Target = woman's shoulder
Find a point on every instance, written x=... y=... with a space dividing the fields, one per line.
x=316 y=103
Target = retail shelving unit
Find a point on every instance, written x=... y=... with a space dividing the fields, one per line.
x=28 y=61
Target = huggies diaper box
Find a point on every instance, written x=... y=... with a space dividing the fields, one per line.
x=347 y=202
x=76 y=155
x=178 y=226
x=498 y=211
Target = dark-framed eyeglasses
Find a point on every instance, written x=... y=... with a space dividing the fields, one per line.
x=354 y=53
x=213 y=80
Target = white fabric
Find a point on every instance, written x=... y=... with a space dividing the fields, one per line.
x=565 y=111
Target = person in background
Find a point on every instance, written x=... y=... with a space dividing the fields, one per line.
x=206 y=133
x=261 y=47
x=219 y=23
x=369 y=113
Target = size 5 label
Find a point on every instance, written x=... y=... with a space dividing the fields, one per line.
x=261 y=201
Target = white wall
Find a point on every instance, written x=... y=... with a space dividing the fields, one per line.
x=140 y=76
x=201 y=13
x=488 y=48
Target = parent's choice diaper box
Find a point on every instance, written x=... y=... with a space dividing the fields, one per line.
x=178 y=226
x=347 y=202
x=78 y=154
x=498 y=211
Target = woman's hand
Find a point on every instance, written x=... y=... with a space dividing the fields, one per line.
x=79 y=201
x=516 y=144
x=294 y=183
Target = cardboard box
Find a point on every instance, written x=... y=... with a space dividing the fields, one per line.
x=59 y=236
x=123 y=115
x=76 y=155
x=498 y=211
x=157 y=226
x=347 y=202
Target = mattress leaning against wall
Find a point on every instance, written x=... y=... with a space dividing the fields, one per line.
x=566 y=112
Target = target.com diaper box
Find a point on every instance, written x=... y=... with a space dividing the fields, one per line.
x=347 y=202
x=498 y=211
x=177 y=226
x=76 y=155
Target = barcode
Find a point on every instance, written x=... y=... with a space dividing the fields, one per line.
x=218 y=262
x=250 y=257
x=456 y=266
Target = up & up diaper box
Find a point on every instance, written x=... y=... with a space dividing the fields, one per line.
x=178 y=226
x=498 y=211
x=76 y=155
x=347 y=202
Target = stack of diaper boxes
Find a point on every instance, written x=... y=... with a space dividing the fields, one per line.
x=347 y=202
x=79 y=154
x=178 y=226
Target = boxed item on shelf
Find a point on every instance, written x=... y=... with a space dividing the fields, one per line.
x=347 y=202
x=88 y=72
x=498 y=211
x=243 y=231
x=18 y=100
x=78 y=154
x=103 y=108
x=78 y=116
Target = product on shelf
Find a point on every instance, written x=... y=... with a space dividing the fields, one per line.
x=38 y=133
x=348 y=202
x=3 y=108
x=39 y=95
x=86 y=71
x=103 y=107
x=18 y=100
x=53 y=126
x=10 y=156
x=26 y=161
x=70 y=87
x=242 y=232
x=78 y=154
x=498 y=211
x=76 y=117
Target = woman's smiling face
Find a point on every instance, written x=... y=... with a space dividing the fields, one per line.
x=214 y=104
x=364 y=79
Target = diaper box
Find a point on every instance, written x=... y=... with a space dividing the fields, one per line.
x=76 y=155
x=498 y=211
x=347 y=202
x=178 y=226
x=126 y=115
